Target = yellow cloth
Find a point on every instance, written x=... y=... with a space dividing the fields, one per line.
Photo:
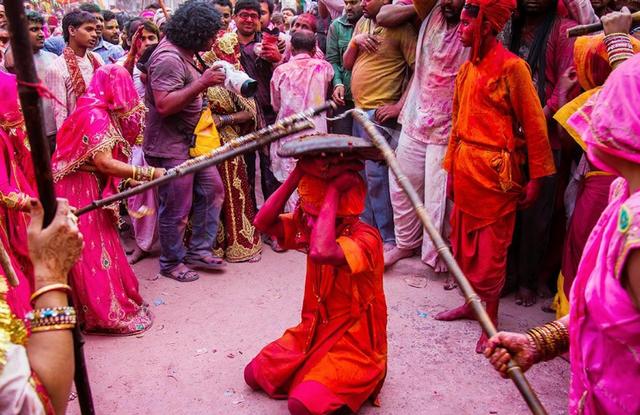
x=207 y=137
x=563 y=114
x=379 y=78
x=560 y=301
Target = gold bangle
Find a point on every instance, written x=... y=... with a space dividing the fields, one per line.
x=52 y=328
x=48 y=288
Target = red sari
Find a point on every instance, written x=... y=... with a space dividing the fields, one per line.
x=338 y=352
x=17 y=186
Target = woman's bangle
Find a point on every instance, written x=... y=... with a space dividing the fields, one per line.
x=51 y=318
x=143 y=174
x=619 y=47
x=53 y=327
x=49 y=288
x=551 y=340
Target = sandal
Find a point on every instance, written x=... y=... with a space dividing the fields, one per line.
x=209 y=262
x=181 y=274
x=450 y=284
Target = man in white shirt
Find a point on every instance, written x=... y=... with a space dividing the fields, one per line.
x=70 y=73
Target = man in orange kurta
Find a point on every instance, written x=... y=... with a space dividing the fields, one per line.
x=337 y=356
x=499 y=129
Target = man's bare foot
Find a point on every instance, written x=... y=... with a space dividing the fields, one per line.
x=526 y=297
x=544 y=291
x=482 y=343
x=441 y=266
x=464 y=312
x=388 y=246
x=137 y=255
x=395 y=254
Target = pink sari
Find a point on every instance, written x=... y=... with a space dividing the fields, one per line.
x=604 y=321
x=17 y=184
x=110 y=118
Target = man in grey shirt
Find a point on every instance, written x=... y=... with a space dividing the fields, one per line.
x=174 y=99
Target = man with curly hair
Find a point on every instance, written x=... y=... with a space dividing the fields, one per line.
x=174 y=98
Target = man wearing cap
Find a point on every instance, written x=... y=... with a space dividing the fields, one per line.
x=496 y=115
x=336 y=357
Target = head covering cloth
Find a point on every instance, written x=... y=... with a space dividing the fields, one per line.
x=610 y=121
x=110 y=116
x=495 y=12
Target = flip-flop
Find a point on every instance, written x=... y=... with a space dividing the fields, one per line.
x=181 y=274
x=211 y=263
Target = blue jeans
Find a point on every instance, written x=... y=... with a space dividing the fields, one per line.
x=200 y=194
x=378 y=211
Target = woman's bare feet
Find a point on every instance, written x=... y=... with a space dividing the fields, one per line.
x=137 y=255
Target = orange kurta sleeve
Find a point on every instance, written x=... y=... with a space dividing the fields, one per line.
x=362 y=249
x=530 y=116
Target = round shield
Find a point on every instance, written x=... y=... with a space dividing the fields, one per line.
x=319 y=144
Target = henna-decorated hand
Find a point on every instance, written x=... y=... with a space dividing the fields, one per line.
x=56 y=248
x=505 y=345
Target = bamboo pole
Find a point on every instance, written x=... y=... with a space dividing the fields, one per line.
x=284 y=127
x=7 y=267
x=586 y=29
x=41 y=156
x=515 y=373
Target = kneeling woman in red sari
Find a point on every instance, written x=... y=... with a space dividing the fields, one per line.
x=336 y=357
x=93 y=146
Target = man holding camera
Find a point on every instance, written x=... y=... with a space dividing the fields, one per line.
x=174 y=98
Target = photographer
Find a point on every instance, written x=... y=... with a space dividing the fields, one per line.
x=174 y=98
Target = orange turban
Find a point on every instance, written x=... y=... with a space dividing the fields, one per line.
x=496 y=12
x=312 y=191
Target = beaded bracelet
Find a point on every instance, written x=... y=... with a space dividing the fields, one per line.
x=49 y=288
x=51 y=318
x=551 y=340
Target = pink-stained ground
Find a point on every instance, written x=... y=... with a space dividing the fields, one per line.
x=191 y=361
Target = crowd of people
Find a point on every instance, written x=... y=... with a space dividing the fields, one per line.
x=521 y=141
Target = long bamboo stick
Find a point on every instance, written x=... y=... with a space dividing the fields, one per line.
x=287 y=126
x=515 y=373
x=586 y=29
x=5 y=264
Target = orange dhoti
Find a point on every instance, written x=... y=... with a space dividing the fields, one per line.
x=481 y=251
x=337 y=355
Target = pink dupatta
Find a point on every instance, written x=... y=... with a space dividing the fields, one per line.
x=109 y=116
x=604 y=321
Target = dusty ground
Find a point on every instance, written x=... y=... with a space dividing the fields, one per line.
x=191 y=360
